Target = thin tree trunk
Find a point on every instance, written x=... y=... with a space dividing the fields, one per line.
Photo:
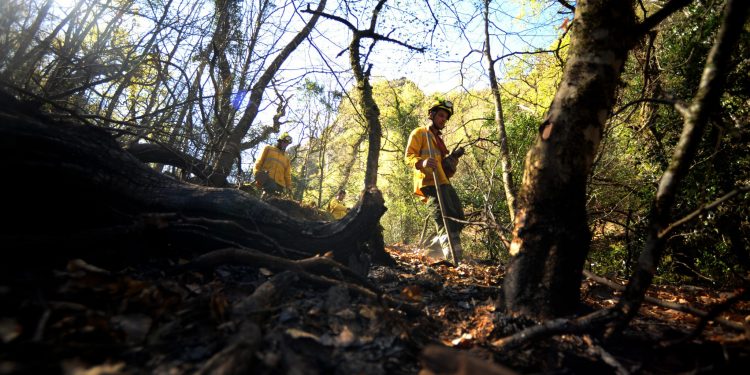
x=25 y=67
x=370 y=111
x=74 y=38
x=133 y=67
x=322 y=157
x=510 y=189
x=28 y=37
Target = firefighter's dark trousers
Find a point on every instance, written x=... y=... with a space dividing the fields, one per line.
x=453 y=211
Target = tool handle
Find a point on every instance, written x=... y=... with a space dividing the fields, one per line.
x=440 y=199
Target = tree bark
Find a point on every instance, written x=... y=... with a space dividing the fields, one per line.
x=165 y=154
x=551 y=236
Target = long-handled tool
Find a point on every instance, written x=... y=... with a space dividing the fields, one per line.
x=440 y=200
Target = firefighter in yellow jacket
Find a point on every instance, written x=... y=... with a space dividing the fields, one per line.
x=336 y=206
x=273 y=171
x=424 y=158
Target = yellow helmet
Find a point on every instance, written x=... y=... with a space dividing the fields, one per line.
x=285 y=137
x=445 y=105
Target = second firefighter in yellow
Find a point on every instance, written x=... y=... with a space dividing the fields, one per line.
x=273 y=171
x=336 y=207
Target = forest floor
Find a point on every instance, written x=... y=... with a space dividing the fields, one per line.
x=164 y=318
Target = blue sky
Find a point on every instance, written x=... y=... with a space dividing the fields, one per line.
x=515 y=28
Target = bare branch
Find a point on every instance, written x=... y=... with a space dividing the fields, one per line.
x=567 y=5
x=609 y=359
x=555 y=327
x=375 y=14
x=331 y=17
x=666 y=11
x=537 y=52
x=369 y=33
x=717 y=309
x=703 y=208
x=645 y=100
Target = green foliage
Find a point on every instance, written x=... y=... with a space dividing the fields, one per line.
x=610 y=260
x=638 y=145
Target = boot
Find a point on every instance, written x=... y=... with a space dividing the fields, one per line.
x=434 y=249
x=456 y=247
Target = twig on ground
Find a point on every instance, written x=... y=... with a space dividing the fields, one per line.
x=586 y=323
x=711 y=315
x=318 y=270
x=669 y=305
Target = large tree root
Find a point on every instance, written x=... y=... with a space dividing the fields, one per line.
x=69 y=178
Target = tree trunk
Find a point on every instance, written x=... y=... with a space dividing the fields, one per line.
x=510 y=189
x=551 y=236
x=27 y=39
x=82 y=196
x=370 y=110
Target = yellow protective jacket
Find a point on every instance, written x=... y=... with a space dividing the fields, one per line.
x=275 y=162
x=416 y=152
x=337 y=208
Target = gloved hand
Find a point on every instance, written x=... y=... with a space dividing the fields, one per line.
x=429 y=163
x=450 y=163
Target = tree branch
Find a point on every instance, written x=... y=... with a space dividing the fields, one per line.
x=567 y=5
x=666 y=11
x=645 y=100
x=556 y=327
x=712 y=315
x=524 y=53
x=702 y=209
x=331 y=17
x=317 y=270
x=368 y=33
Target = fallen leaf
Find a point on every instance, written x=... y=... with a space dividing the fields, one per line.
x=265 y=271
x=412 y=292
x=368 y=312
x=345 y=338
x=463 y=341
x=300 y=334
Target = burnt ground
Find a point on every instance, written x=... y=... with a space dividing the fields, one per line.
x=164 y=317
